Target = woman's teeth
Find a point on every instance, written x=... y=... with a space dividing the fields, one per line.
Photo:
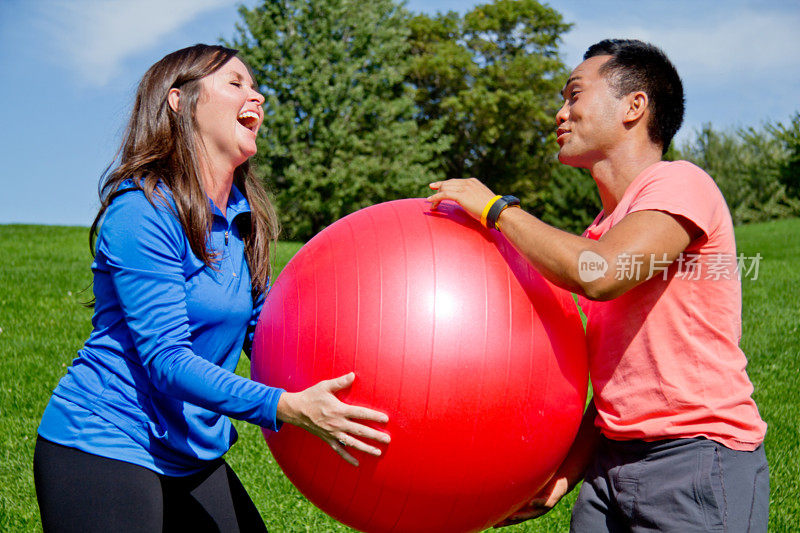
x=248 y=119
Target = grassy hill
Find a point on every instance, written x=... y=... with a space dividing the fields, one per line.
x=42 y=324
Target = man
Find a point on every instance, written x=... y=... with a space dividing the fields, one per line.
x=672 y=440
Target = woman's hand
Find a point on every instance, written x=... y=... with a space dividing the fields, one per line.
x=470 y=194
x=546 y=499
x=320 y=412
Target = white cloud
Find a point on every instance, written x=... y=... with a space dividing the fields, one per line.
x=740 y=42
x=740 y=64
x=94 y=37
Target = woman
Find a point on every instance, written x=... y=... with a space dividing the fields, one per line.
x=133 y=435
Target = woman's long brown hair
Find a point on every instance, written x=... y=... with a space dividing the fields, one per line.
x=159 y=147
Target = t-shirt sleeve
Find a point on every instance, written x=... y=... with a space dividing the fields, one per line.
x=681 y=189
x=143 y=246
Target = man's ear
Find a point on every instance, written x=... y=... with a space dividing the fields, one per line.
x=174 y=99
x=637 y=104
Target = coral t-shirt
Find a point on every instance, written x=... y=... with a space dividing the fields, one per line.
x=664 y=357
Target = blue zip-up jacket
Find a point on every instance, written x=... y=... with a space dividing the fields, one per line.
x=154 y=383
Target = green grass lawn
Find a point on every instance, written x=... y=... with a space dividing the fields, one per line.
x=42 y=324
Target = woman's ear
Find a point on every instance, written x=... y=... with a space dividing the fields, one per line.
x=174 y=99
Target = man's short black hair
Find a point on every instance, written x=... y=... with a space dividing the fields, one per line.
x=640 y=66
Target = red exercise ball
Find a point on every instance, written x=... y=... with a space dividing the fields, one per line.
x=479 y=362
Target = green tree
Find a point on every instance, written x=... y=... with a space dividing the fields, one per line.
x=789 y=137
x=570 y=200
x=339 y=132
x=490 y=81
x=748 y=165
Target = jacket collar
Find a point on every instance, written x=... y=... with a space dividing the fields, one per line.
x=237 y=205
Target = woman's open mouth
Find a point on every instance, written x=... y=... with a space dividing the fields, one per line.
x=249 y=119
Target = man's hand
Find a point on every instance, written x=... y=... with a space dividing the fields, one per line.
x=470 y=194
x=546 y=499
x=568 y=474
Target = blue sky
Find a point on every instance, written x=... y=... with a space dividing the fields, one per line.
x=70 y=69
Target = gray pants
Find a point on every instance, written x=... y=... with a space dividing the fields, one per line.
x=681 y=485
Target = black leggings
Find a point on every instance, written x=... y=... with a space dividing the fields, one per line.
x=82 y=492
